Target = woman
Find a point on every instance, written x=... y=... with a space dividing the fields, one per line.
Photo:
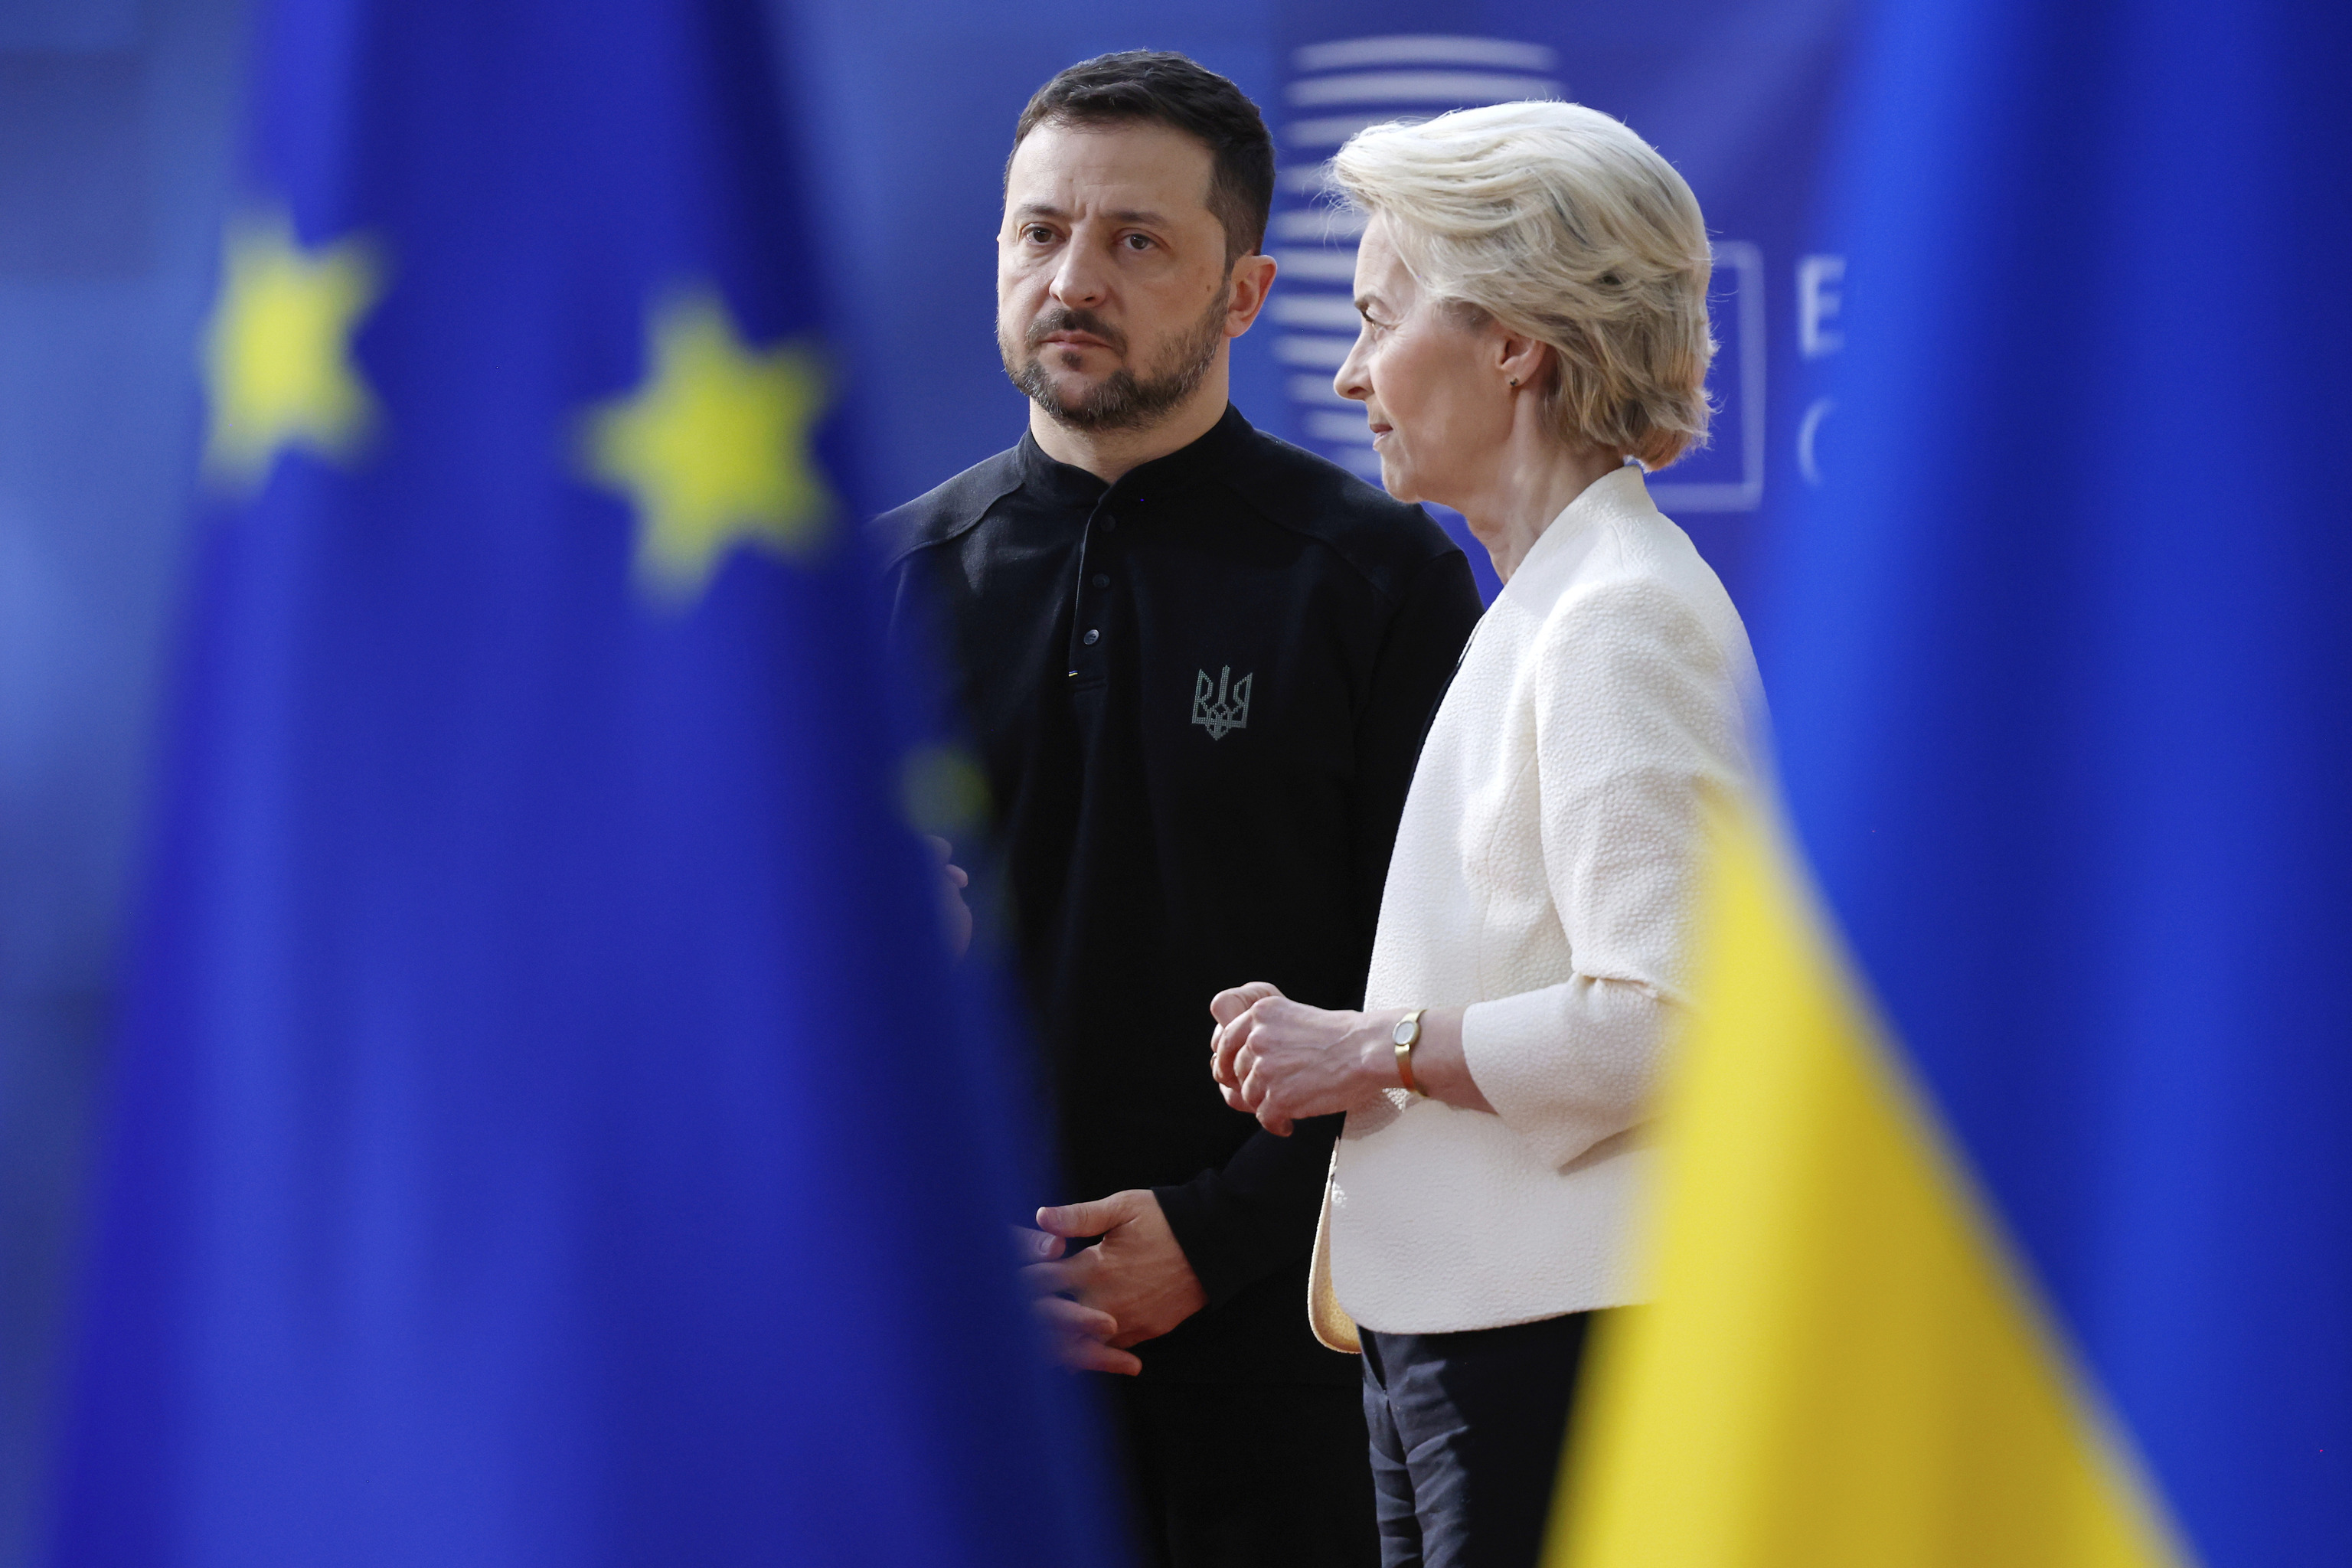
x=1533 y=286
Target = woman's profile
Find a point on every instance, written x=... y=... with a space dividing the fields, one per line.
x=1533 y=286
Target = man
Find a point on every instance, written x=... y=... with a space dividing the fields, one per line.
x=1198 y=663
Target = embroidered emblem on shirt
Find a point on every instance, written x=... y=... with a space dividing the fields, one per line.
x=1218 y=706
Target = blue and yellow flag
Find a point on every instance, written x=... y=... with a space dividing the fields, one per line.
x=2008 y=1210
x=547 y=1131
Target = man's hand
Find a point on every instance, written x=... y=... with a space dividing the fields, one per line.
x=1133 y=1285
x=1079 y=1336
x=1282 y=1060
x=954 y=914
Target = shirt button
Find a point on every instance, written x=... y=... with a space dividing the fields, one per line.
x=1110 y=525
x=1102 y=580
x=1091 y=638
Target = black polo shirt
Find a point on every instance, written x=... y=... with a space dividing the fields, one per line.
x=1198 y=694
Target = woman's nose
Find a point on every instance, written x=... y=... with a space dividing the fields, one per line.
x=1350 y=382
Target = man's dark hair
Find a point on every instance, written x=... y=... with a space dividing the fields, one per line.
x=1168 y=90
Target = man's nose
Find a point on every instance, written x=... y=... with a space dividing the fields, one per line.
x=1079 y=282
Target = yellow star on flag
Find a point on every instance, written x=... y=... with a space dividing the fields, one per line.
x=277 y=350
x=713 y=448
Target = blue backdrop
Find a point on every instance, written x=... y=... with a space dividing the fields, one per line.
x=116 y=119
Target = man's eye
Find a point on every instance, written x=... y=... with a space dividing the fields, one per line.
x=1139 y=242
x=1037 y=234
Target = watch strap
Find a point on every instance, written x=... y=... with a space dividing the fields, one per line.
x=1407 y=1035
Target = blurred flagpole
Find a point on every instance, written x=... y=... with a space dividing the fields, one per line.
x=2007 y=1214
x=547 y=1128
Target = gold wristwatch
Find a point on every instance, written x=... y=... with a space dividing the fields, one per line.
x=1407 y=1035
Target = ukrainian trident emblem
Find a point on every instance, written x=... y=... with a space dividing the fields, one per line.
x=1221 y=704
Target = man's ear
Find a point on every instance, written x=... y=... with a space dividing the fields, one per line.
x=1251 y=280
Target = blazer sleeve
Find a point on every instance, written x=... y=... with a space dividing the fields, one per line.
x=1639 y=715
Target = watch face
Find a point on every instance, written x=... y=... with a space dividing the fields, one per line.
x=1404 y=1031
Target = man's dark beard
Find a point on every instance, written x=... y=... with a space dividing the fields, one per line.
x=1121 y=401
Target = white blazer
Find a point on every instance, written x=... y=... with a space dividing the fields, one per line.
x=1543 y=875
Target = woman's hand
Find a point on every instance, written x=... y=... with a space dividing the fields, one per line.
x=1282 y=1060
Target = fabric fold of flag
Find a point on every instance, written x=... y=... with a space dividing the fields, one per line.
x=2010 y=1216
x=548 y=1128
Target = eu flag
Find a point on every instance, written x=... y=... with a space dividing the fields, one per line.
x=2008 y=1217
x=547 y=1129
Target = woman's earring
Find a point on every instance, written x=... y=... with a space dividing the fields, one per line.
x=1514 y=381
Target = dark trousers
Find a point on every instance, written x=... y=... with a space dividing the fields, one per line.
x=1467 y=1430
x=1240 y=1475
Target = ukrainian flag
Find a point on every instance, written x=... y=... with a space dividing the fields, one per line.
x=2007 y=1210
x=546 y=1130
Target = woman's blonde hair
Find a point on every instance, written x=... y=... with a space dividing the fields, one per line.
x=1560 y=222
